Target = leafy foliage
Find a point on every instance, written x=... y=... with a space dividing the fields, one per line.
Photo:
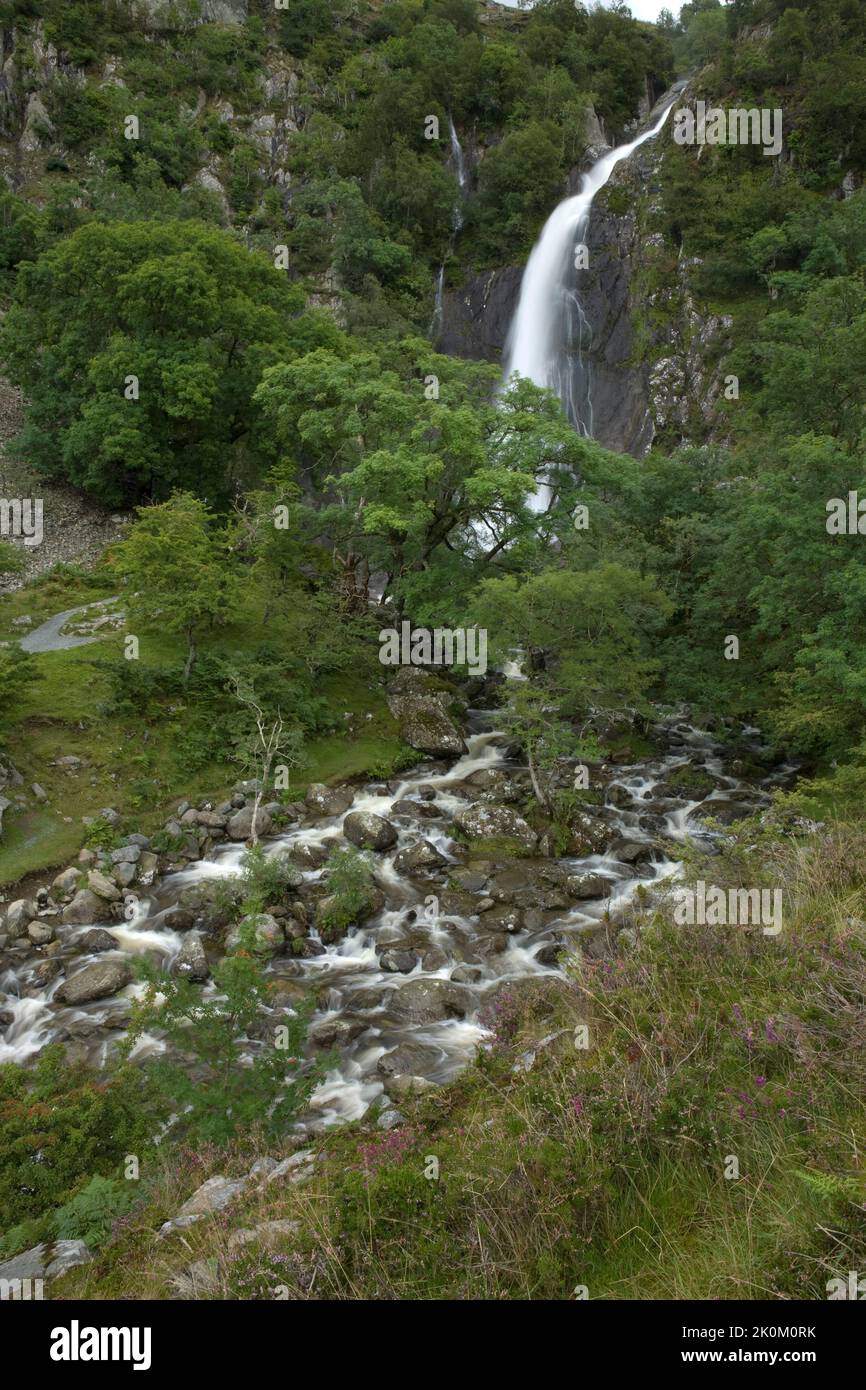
x=202 y=1076
x=60 y=1126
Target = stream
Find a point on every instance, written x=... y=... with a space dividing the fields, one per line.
x=408 y=993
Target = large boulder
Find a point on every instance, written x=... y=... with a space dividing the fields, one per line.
x=422 y=712
x=488 y=821
x=308 y=856
x=18 y=915
x=147 y=868
x=46 y=1261
x=589 y=834
x=126 y=854
x=407 y=1058
x=213 y=1195
x=240 y=827
x=418 y=857
x=369 y=831
x=41 y=932
x=66 y=883
x=103 y=886
x=96 y=940
x=398 y=962
x=268 y=936
x=206 y=905
x=587 y=885
x=430 y=1001
x=96 y=981
x=191 y=961
x=328 y=801
x=85 y=909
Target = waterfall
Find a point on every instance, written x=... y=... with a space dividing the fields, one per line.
x=459 y=164
x=436 y=325
x=460 y=170
x=550 y=334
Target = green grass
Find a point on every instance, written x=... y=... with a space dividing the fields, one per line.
x=140 y=767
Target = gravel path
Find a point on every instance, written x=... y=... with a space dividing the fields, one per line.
x=47 y=636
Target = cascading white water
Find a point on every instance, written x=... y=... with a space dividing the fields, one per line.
x=463 y=946
x=459 y=168
x=459 y=164
x=550 y=333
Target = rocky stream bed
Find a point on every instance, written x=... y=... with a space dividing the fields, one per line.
x=408 y=993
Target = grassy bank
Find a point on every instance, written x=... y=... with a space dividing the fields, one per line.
x=144 y=751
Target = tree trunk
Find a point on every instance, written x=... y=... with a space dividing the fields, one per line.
x=540 y=796
x=190 y=654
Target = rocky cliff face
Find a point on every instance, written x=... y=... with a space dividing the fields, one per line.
x=654 y=356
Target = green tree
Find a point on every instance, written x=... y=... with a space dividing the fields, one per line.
x=138 y=347
x=414 y=474
x=177 y=566
x=201 y=1076
x=592 y=634
x=60 y=1125
x=519 y=182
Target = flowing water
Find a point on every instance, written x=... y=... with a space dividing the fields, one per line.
x=458 y=163
x=550 y=335
x=465 y=929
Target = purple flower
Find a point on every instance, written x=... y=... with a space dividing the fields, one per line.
x=760 y=1080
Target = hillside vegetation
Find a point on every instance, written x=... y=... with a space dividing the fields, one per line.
x=219 y=250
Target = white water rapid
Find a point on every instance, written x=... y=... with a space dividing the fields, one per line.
x=550 y=334
x=412 y=991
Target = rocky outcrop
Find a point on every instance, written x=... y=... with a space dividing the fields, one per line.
x=167 y=15
x=369 y=831
x=328 y=801
x=422 y=712
x=97 y=981
x=476 y=316
x=46 y=1261
x=487 y=821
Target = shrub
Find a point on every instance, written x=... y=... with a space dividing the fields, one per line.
x=90 y=1214
x=201 y=1076
x=59 y=1125
x=350 y=883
